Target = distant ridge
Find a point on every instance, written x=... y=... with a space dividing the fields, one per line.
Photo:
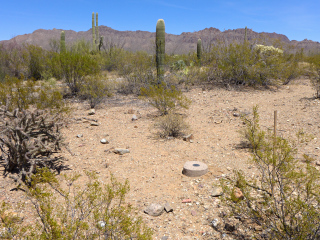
x=144 y=40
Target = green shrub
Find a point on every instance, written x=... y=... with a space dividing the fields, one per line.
x=194 y=75
x=163 y=98
x=16 y=93
x=178 y=65
x=91 y=211
x=254 y=65
x=284 y=198
x=75 y=66
x=14 y=60
x=138 y=71
x=36 y=61
x=114 y=56
x=94 y=88
x=49 y=97
x=314 y=72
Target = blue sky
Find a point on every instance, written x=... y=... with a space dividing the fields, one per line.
x=297 y=20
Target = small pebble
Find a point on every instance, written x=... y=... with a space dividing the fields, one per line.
x=104 y=141
x=134 y=118
x=215 y=222
x=92 y=112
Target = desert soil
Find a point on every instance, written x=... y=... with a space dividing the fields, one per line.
x=154 y=166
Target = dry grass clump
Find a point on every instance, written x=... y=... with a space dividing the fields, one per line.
x=171 y=125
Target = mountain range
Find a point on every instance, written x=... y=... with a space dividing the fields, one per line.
x=144 y=41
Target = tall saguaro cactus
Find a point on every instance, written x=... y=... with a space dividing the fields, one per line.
x=245 y=34
x=93 y=34
x=199 y=45
x=97 y=29
x=62 y=42
x=97 y=41
x=160 y=49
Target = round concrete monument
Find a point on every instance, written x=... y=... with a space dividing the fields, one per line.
x=194 y=169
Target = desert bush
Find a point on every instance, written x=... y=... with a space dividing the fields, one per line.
x=314 y=72
x=171 y=125
x=164 y=98
x=3 y=70
x=93 y=210
x=254 y=65
x=16 y=93
x=75 y=66
x=49 y=97
x=13 y=59
x=28 y=61
x=53 y=66
x=28 y=139
x=293 y=66
x=81 y=47
x=10 y=222
x=114 y=56
x=234 y=60
x=195 y=75
x=138 y=71
x=178 y=65
x=94 y=88
x=284 y=198
x=114 y=60
x=36 y=60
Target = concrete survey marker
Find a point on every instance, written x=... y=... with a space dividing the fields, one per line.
x=194 y=169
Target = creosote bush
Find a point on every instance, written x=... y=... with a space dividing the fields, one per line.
x=94 y=210
x=314 y=73
x=94 y=88
x=138 y=71
x=254 y=65
x=20 y=94
x=75 y=65
x=164 y=98
x=284 y=199
x=171 y=125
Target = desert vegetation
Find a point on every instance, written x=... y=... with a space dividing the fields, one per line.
x=39 y=88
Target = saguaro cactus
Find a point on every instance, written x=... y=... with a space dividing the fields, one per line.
x=97 y=41
x=160 y=49
x=199 y=45
x=245 y=35
x=93 y=34
x=97 y=30
x=62 y=42
x=100 y=42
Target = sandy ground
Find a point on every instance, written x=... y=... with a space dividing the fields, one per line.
x=154 y=166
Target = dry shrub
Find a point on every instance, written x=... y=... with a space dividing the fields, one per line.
x=28 y=139
x=171 y=125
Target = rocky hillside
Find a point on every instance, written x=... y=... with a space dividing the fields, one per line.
x=143 y=40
